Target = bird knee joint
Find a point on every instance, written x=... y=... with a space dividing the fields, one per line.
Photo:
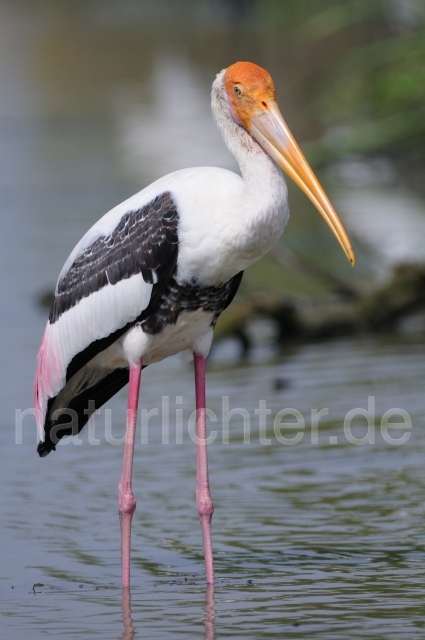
x=127 y=504
x=205 y=507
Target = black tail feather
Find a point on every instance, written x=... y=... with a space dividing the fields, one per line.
x=75 y=416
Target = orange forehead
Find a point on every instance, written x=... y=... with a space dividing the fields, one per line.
x=250 y=75
x=257 y=89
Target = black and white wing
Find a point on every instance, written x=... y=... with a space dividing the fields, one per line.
x=111 y=280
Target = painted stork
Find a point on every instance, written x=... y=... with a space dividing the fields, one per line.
x=152 y=276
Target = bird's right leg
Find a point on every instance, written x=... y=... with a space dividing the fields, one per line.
x=203 y=496
x=126 y=499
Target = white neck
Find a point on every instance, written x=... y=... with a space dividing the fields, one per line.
x=250 y=216
x=263 y=178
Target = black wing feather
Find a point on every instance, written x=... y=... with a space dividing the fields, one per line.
x=144 y=241
x=79 y=410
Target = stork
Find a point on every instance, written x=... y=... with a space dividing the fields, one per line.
x=152 y=276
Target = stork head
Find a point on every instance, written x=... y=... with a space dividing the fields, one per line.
x=251 y=97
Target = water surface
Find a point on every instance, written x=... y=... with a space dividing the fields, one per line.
x=328 y=535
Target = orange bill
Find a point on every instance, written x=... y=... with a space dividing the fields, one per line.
x=271 y=132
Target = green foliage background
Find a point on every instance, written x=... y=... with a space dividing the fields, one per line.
x=371 y=93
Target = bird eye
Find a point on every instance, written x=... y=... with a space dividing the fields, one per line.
x=237 y=91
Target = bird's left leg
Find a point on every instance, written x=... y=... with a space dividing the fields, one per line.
x=203 y=497
x=126 y=499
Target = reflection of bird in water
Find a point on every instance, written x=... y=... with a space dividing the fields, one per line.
x=208 y=621
x=129 y=630
x=151 y=277
x=209 y=613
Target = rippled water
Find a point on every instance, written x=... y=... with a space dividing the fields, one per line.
x=315 y=539
x=322 y=538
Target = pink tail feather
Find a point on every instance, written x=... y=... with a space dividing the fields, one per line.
x=47 y=381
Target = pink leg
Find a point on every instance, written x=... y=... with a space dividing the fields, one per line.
x=129 y=631
x=203 y=497
x=126 y=499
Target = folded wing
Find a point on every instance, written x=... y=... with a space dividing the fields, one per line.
x=110 y=282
